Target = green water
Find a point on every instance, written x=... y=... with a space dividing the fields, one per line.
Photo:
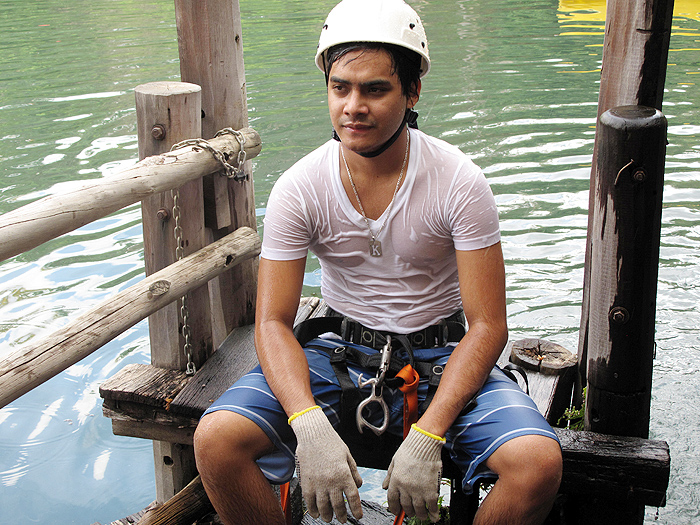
x=514 y=84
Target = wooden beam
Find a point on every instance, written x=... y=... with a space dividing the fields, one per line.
x=31 y=225
x=621 y=468
x=184 y=508
x=168 y=113
x=624 y=246
x=173 y=225
x=635 y=55
x=36 y=362
x=211 y=55
x=210 y=44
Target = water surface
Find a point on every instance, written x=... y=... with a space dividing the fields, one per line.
x=514 y=84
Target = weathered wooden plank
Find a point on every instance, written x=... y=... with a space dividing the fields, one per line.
x=144 y=384
x=185 y=507
x=373 y=514
x=160 y=428
x=133 y=518
x=36 y=362
x=622 y=468
x=235 y=357
x=232 y=360
x=31 y=225
x=308 y=307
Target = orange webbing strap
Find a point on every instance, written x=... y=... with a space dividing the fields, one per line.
x=410 y=409
x=284 y=501
x=410 y=397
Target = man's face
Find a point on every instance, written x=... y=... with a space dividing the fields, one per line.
x=365 y=99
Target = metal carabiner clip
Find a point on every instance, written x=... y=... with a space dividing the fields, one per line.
x=376 y=395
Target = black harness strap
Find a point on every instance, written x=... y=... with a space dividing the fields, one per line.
x=311 y=328
x=349 y=393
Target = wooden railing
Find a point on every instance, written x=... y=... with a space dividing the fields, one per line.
x=36 y=223
x=47 y=218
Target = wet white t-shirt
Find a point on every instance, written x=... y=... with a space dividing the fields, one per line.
x=444 y=204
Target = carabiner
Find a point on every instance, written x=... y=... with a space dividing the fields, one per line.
x=377 y=386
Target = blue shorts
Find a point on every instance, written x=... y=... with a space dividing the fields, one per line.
x=503 y=412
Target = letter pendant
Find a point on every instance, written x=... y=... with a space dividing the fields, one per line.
x=375 y=248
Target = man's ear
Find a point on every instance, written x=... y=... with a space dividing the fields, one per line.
x=415 y=94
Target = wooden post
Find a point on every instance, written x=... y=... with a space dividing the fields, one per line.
x=635 y=54
x=211 y=55
x=169 y=112
x=625 y=238
x=624 y=241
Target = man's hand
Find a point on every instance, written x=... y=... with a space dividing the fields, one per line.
x=413 y=479
x=325 y=467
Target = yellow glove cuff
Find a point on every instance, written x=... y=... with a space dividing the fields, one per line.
x=297 y=414
x=426 y=433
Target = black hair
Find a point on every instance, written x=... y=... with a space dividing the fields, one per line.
x=405 y=63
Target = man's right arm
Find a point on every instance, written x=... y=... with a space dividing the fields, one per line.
x=326 y=469
x=282 y=360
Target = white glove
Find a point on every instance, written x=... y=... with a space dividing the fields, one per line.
x=413 y=479
x=325 y=467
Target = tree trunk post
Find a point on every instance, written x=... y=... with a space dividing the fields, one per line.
x=624 y=241
x=635 y=55
x=625 y=258
x=211 y=55
x=166 y=113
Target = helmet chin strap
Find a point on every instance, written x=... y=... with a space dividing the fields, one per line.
x=410 y=118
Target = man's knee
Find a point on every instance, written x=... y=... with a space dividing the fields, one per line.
x=533 y=463
x=224 y=437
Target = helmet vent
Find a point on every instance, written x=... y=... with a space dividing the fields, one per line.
x=325 y=26
x=412 y=26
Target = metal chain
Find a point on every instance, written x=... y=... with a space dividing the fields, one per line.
x=235 y=173
x=232 y=172
x=242 y=154
x=184 y=312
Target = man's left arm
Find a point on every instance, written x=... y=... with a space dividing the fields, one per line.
x=414 y=474
x=482 y=287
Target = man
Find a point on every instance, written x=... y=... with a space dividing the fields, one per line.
x=406 y=230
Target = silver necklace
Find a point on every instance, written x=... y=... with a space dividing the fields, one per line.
x=375 y=246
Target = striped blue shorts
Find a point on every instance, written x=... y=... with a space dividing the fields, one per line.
x=503 y=411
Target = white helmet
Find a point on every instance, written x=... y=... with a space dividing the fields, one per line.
x=383 y=21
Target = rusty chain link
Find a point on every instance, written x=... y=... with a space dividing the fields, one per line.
x=232 y=172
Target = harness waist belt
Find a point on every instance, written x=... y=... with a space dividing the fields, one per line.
x=450 y=329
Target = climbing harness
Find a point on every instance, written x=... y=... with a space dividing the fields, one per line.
x=392 y=370
x=377 y=384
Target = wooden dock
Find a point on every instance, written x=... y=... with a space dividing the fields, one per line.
x=155 y=403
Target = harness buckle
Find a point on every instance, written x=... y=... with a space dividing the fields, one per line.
x=375 y=396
